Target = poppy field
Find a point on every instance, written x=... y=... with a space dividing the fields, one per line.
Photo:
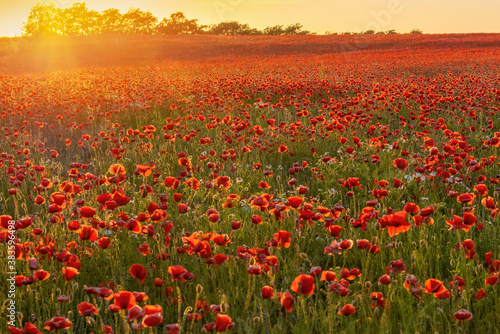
x=296 y=184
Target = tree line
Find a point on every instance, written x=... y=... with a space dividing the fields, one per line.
x=47 y=19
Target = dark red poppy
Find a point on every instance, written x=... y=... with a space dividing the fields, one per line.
x=286 y=300
x=400 y=163
x=87 y=212
x=139 y=272
x=267 y=292
x=87 y=309
x=57 y=323
x=462 y=315
x=347 y=310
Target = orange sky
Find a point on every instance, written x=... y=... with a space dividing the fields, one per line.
x=431 y=16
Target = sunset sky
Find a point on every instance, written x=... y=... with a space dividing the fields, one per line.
x=431 y=16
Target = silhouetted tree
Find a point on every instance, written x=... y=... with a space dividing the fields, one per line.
x=232 y=28
x=178 y=24
x=292 y=29
x=416 y=31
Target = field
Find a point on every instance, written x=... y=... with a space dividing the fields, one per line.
x=196 y=184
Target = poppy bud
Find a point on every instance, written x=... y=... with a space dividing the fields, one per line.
x=368 y=284
x=414 y=244
x=479 y=269
x=374 y=240
x=377 y=226
x=256 y=320
x=91 y=321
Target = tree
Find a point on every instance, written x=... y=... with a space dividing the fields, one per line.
x=292 y=29
x=178 y=24
x=138 y=22
x=43 y=20
x=79 y=20
x=112 y=21
x=232 y=28
x=416 y=31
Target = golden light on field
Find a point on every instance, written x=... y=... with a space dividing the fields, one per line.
x=444 y=16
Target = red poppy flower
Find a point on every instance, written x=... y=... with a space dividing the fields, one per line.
x=492 y=280
x=41 y=275
x=87 y=309
x=223 y=322
x=183 y=208
x=213 y=215
x=437 y=287
x=303 y=284
x=151 y=320
x=179 y=273
x=350 y=274
x=283 y=238
x=396 y=223
x=480 y=294
x=295 y=202
x=256 y=220
x=328 y=275
x=144 y=170
x=462 y=315
x=411 y=208
x=286 y=300
x=29 y=328
x=264 y=185
x=267 y=292
x=104 y=242
x=400 y=163
x=124 y=300
x=347 y=310
x=87 y=212
x=69 y=273
x=57 y=323
x=172 y=328
x=466 y=198
x=88 y=233
x=177 y=197
x=377 y=299
x=139 y=272
x=397 y=183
